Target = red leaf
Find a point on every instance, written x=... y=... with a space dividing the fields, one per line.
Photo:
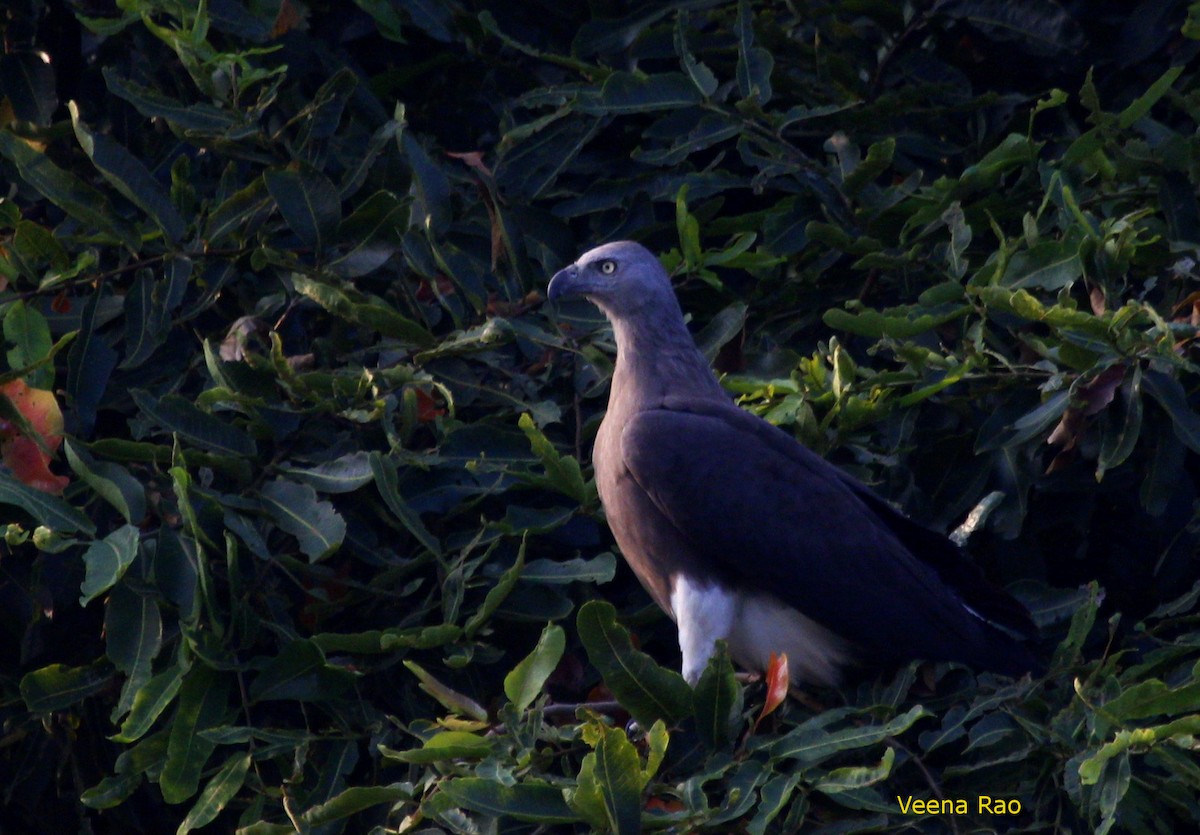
x=427 y=407
x=664 y=804
x=778 y=680
x=289 y=17
x=31 y=466
x=425 y=292
x=473 y=159
x=22 y=454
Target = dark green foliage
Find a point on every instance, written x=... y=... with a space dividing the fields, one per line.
x=330 y=554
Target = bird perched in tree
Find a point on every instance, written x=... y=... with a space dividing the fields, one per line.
x=741 y=533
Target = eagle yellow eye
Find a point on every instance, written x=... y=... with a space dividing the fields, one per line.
x=608 y=267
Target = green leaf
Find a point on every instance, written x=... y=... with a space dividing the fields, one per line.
x=299 y=673
x=371 y=235
x=71 y=194
x=112 y=791
x=626 y=92
x=112 y=482
x=148 y=704
x=106 y=561
x=387 y=17
x=563 y=472
x=774 y=795
x=27 y=333
x=1154 y=698
x=241 y=213
x=700 y=75
x=148 y=307
x=1050 y=265
x=350 y=802
x=445 y=745
x=341 y=475
x=431 y=211
x=497 y=594
x=612 y=775
x=898 y=324
x=425 y=637
x=47 y=510
x=878 y=159
x=1121 y=431
x=449 y=698
x=90 y=363
x=203 y=702
x=718 y=701
x=534 y=801
x=386 y=482
x=383 y=319
x=811 y=744
x=197 y=118
x=128 y=175
x=1082 y=622
x=645 y=689
x=221 y=789
x=309 y=202
x=1170 y=395
x=599 y=569
x=525 y=681
x=1032 y=424
x=179 y=416
x=33 y=248
x=1140 y=106
x=1014 y=151
x=853 y=777
x=754 y=63
x=58 y=686
x=317 y=526
x=133 y=630
x=688 y=229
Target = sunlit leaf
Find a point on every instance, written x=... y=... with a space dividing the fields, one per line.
x=525 y=681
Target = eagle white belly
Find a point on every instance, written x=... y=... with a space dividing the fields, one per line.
x=754 y=624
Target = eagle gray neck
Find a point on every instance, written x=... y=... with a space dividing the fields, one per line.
x=656 y=358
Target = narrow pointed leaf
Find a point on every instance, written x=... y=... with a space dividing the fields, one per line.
x=384 y=471
x=523 y=684
x=221 y=789
x=309 y=202
x=47 y=510
x=530 y=800
x=203 y=701
x=149 y=703
x=352 y=801
x=57 y=686
x=71 y=194
x=718 y=701
x=129 y=175
x=178 y=415
x=645 y=689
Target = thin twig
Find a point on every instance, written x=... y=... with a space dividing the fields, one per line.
x=569 y=709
